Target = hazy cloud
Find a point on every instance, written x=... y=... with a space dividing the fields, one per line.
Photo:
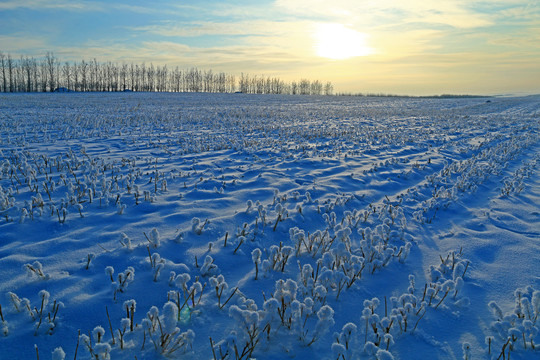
x=459 y=14
x=67 y=5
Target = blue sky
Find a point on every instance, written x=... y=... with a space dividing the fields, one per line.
x=407 y=46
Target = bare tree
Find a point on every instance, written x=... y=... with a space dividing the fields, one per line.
x=75 y=71
x=84 y=75
x=304 y=87
x=35 y=74
x=124 y=76
x=51 y=62
x=3 y=64
x=294 y=88
x=132 y=76
x=316 y=88
x=328 y=88
x=66 y=71
x=10 y=71
x=44 y=75
x=26 y=66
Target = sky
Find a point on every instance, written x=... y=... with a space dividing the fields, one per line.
x=415 y=47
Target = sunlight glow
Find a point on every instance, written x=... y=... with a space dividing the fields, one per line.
x=336 y=41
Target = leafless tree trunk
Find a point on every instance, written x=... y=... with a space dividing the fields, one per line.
x=66 y=70
x=123 y=76
x=51 y=62
x=328 y=88
x=3 y=64
x=10 y=71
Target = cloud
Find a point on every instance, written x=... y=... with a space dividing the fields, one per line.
x=243 y=28
x=67 y=5
x=457 y=13
x=20 y=44
x=291 y=39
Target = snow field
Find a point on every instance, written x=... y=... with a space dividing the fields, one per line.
x=207 y=226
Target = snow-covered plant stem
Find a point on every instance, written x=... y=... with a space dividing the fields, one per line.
x=229 y=298
x=110 y=325
x=89 y=259
x=4 y=330
x=130 y=306
x=196 y=225
x=37 y=269
x=277 y=221
x=256 y=257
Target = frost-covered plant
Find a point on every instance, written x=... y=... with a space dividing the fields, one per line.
x=4 y=329
x=261 y=214
x=58 y=354
x=80 y=209
x=196 y=225
x=333 y=279
x=298 y=237
x=181 y=282
x=24 y=215
x=516 y=330
x=281 y=214
x=125 y=241
x=15 y=301
x=249 y=205
x=36 y=269
x=164 y=333
x=109 y=271
x=278 y=257
x=52 y=314
x=308 y=199
x=154 y=258
x=44 y=316
x=384 y=355
x=342 y=345
x=88 y=260
x=248 y=319
x=62 y=214
x=123 y=279
x=154 y=239
x=220 y=285
x=130 y=306
x=243 y=231
x=120 y=208
x=189 y=293
x=102 y=351
x=239 y=241
x=447 y=279
x=325 y=321
x=97 y=350
x=256 y=257
x=285 y=293
x=157 y=270
x=120 y=333
x=208 y=267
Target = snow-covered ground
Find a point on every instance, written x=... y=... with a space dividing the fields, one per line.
x=199 y=226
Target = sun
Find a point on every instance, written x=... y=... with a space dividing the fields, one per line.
x=338 y=42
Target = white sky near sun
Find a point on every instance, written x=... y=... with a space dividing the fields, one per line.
x=407 y=46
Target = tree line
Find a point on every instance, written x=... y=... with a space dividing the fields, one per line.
x=47 y=74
